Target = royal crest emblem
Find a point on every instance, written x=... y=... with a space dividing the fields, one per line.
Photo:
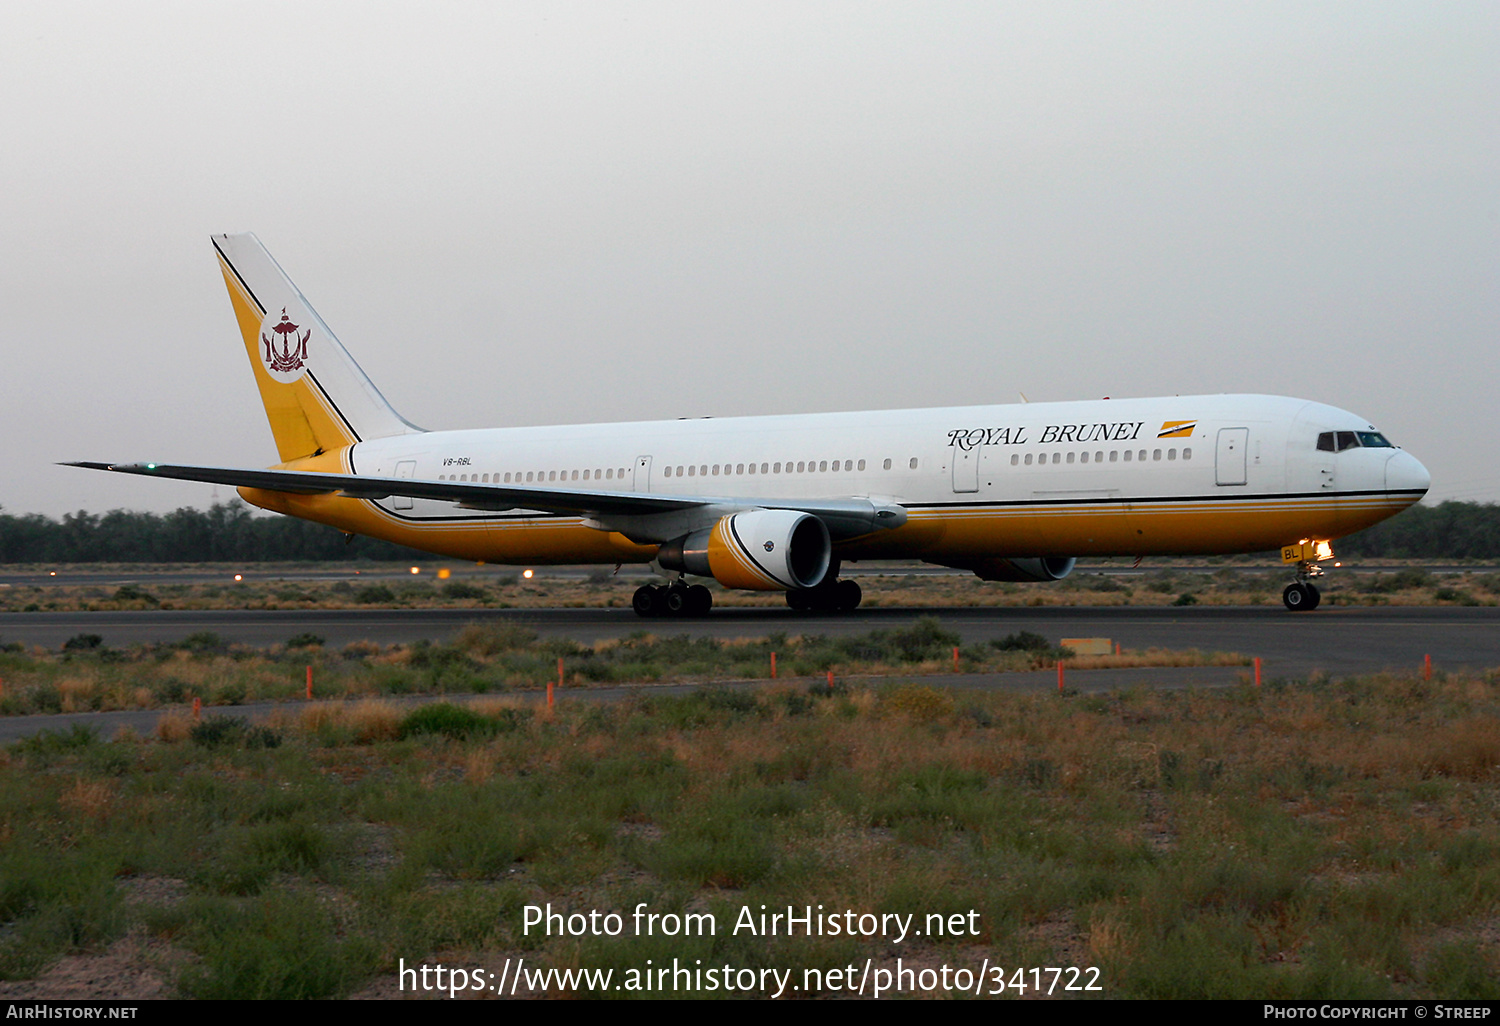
x=283 y=350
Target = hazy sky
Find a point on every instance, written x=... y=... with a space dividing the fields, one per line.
x=546 y=213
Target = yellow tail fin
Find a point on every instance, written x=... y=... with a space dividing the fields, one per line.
x=316 y=397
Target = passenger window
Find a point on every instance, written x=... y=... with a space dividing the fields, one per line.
x=887 y=464
x=507 y=479
x=609 y=475
x=1057 y=457
x=1187 y=454
x=1015 y=459
x=1156 y=454
x=1070 y=457
x=716 y=470
x=823 y=467
x=703 y=470
x=575 y=475
x=1114 y=455
x=1141 y=456
x=1098 y=457
x=1084 y=458
x=848 y=465
x=1042 y=460
x=1128 y=454
x=1171 y=454
x=861 y=465
x=913 y=463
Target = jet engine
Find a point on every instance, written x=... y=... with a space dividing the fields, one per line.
x=1047 y=568
x=759 y=549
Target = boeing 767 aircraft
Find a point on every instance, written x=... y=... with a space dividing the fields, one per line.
x=778 y=503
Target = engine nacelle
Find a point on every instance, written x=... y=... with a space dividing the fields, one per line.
x=1047 y=568
x=759 y=549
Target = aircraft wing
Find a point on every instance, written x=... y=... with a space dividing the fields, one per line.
x=845 y=518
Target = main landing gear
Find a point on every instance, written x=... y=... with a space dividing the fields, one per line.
x=829 y=597
x=1302 y=595
x=676 y=599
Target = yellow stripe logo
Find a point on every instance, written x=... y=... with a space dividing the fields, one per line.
x=1177 y=429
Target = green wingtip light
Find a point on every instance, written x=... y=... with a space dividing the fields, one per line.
x=151 y=466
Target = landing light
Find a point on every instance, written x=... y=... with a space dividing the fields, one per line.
x=526 y=574
x=238 y=577
x=416 y=569
x=52 y=573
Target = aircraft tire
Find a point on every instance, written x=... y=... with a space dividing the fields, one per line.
x=1299 y=598
x=700 y=600
x=677 y=602
x=797 y=599
x=646 y=601
x=1314 y=596
x=849 y=595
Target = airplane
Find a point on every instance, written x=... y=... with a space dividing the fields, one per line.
x=778 y=503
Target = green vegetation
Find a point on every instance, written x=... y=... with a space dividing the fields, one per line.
x=494 y=657
x=1314 y=839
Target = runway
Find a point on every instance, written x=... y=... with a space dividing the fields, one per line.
x=1336 y=640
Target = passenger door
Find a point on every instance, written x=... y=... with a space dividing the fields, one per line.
x=1229 y=458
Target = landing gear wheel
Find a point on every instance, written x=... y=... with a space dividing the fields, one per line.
x=1300 y=598
x=848 y=595
x=700 y=600
x=798 y=600
x=647 y=601
x=676 y=602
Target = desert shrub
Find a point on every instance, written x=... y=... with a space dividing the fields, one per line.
x=373 y=594
x=1022 y=641
x=458 y=721
x=232 y=732
x=83 y=643
x=463 y=590
x=305 y=640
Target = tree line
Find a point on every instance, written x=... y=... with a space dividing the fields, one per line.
x=227 y=533
x=224 y=533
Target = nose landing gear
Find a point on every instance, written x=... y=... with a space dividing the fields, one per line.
x=1302 y=596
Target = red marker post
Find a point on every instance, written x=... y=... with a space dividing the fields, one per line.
x=955 y=658
x=1427 y=666
x=309 y=682
x=773 y=665
x=1257 y=671
x=197 y=708
x=1059 y=676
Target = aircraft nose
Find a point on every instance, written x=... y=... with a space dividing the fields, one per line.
x=1405 y=473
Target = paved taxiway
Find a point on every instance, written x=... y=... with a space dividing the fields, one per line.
x=1336 y=640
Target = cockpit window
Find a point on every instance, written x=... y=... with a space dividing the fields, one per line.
x=1338 y=441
